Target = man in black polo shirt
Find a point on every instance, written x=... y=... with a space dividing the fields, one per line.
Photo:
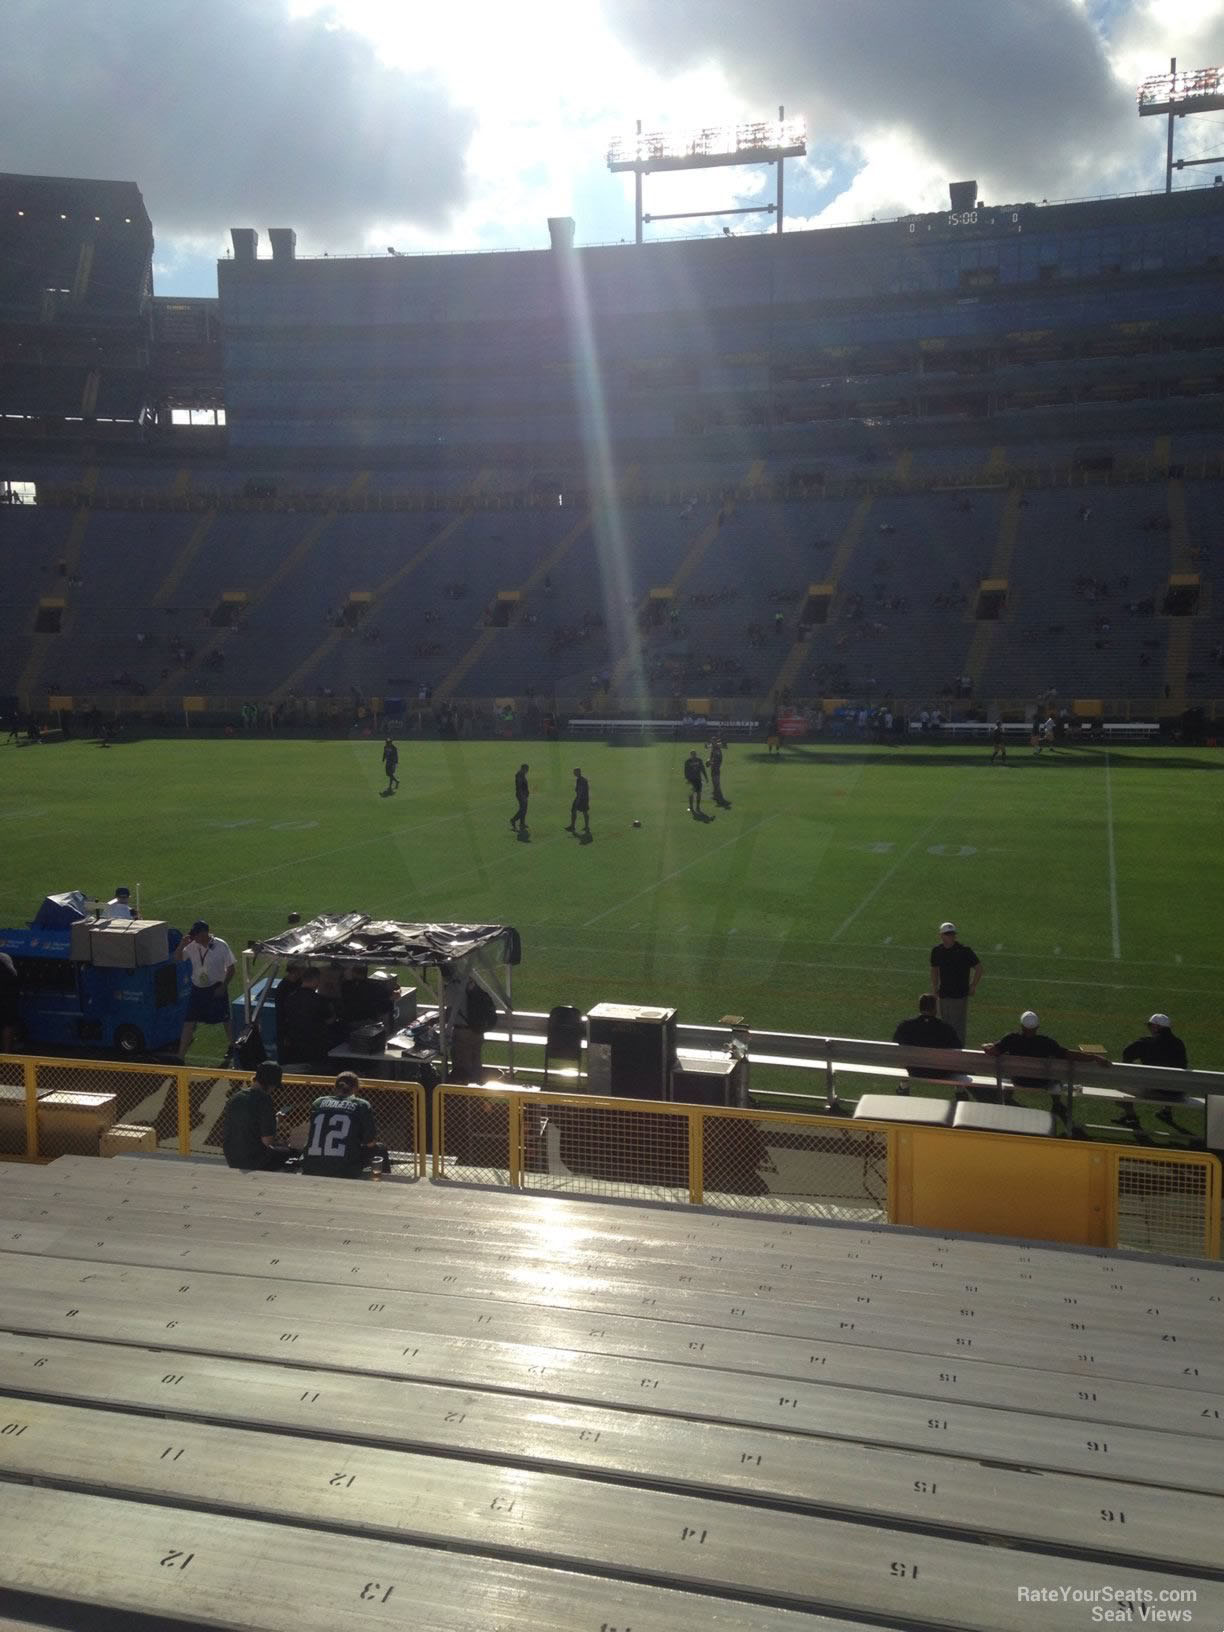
x=926 y=1030
x=1161 y=1046
x=956 y=970
x=1032 y=1043
x=249 y=1140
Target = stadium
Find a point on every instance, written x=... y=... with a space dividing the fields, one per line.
x=908 y=532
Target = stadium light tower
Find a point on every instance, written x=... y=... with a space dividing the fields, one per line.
x=1199 y=91
x=767 y=141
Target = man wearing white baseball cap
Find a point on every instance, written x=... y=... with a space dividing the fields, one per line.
x=956 y=971
x=1160 y=1047
x=1031 y=1042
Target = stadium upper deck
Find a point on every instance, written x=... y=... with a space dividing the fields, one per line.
x=770 y=346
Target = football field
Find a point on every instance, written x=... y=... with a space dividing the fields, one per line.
x=1090 y=883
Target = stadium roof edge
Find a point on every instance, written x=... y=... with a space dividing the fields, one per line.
x=717 y=236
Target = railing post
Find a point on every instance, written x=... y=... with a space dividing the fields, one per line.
x=29 y=1075
x=514 y=1138
x=418 y=1127
x=439 y=1118
x=184 y=1110
x=696 y=1155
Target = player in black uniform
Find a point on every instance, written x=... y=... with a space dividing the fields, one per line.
x=694 y=775
x=582 y=803
x=522 y=793
x=715 y=763
x=342 y=1137
x=391 y=764
x=999 y=746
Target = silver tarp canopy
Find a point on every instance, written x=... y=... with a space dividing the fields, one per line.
x=352 y=937
x=485 y=952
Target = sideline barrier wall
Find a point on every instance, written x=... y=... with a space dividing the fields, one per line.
x=55 y=1107
x=778 y=1162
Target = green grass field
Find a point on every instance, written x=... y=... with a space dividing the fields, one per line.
x=1092 y=887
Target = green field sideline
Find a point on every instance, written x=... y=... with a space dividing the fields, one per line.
x=1092 y=887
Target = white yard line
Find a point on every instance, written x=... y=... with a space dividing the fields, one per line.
x=1113 y=865
x=667 y=877
x=880 y=883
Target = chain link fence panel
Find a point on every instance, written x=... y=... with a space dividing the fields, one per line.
x=1167 y=1206
x=778 y=1164
x=472 y=1135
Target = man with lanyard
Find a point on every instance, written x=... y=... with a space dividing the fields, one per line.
x=212 y=969
x=250 y=1139
x=955 y=972
x=521 y=793
x=582 y=803
x=391 y=764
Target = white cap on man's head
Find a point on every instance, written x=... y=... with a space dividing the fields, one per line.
x=947 y=929
x=1160 y=1020
x=1029 y=1020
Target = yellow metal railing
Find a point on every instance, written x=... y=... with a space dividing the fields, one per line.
x=772 y=1162
x=54 y=1107
x=1085 y=1193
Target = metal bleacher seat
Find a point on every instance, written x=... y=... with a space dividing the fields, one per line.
x=253 y=1401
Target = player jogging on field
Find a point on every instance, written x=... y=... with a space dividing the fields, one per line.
x=582 y=803
x=694 y=775
x=390 y=758
x=999 y=749
x=521 y=793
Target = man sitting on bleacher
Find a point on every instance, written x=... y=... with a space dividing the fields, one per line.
x=1034 y=1043
x=250 y=1123
x=342 y=1137
x=926 y=1030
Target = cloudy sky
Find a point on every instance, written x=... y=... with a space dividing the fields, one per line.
x=460 y=126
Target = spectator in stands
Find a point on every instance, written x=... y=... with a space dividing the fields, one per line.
x=926 y=1030
x=342 y=1137
x=10 y=989
x=212 y=969
x=250 y=1138
x=1161 y=1046
x=956 y=972
x=522 y=792
x=119 y=906
x=1032 y=1043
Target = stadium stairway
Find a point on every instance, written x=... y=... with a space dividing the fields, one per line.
x=623 y=667
x=1000 y=567
x=40 y=649
x=786 y=676
x=282 y=1405
x=270 y=585
x=488 y=636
